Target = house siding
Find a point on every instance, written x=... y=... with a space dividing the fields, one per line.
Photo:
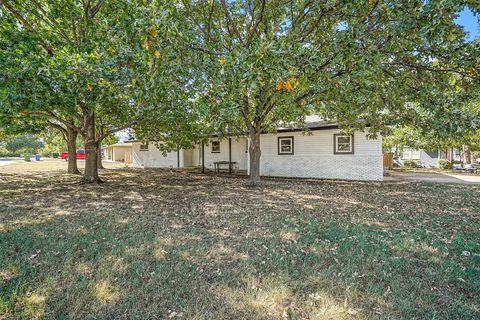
x=314 y=157
x=238 y=153
x=154 y=158
x=120 y=153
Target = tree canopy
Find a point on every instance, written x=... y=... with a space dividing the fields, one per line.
x=266 y=64
x=79 y=65
x=179 y=71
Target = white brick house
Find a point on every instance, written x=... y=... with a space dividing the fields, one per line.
x=322 y=152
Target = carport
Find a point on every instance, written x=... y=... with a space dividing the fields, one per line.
x=119 y=152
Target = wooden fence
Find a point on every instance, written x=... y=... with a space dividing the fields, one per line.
x=388 y=160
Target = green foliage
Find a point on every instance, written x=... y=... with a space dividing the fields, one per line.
x=267 y=63
x=411 y=163
x=4 y=151
x=444 y=164
x=17 y=145
x=81 y=78
x=54 y=142
x=430 y=139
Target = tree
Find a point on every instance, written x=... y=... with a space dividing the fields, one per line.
x=23 y=144
x=263 y=64
x=167 y=88
x=111 y=139
x=113 y=64
x=85 y=55
x=28 y=100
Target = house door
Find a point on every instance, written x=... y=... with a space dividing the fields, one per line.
x=188 y=158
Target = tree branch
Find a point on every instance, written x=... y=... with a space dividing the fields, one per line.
x=255 y=25
x=230 y=26
x=24 y=22
x=113 y=130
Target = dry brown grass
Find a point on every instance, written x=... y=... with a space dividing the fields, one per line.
x=158 y=245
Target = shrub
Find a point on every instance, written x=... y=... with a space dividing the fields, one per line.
x=4 y=152
x=444 y=164
x=411 y=164
x=55 y=155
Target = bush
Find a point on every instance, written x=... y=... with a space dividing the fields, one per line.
x=55 y=155
x=444 y=164
x=411 y=164
x=4 y=152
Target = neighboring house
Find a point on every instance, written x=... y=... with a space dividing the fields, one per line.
x=120 y=152
x=429 y=159
x=322 y=152
x=452 y=154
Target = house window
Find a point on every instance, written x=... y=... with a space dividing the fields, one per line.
x=285 y=145
x=215 y=146
x=144 y=147
x=343 y=144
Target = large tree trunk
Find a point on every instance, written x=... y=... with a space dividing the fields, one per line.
x=72 y=151
x=467 y=154
x=91 y=150
x=99 y=156
x=255 y=153
x=444 y=153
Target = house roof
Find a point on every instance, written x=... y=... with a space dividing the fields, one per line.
x=312 y=123
x=316 y=125
x=122 y=144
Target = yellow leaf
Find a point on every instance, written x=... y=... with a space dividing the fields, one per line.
x=279 y=85
x=288 y=86
x=103 y=83
x=221 y=61
x=152 y=31
x=157 y=54
x=89 y=87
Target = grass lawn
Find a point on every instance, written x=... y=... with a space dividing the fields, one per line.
x=160 y=245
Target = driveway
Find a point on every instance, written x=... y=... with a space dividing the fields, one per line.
x=4 y=162
x=435 y=177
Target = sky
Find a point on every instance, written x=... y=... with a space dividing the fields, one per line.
x=470 y=23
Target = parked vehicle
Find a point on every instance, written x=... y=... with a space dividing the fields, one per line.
x=470 y=168
x=80 y=155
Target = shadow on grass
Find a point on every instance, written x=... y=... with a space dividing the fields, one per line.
x=156 y=244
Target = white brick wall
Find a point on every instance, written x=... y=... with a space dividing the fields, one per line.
x=238 y=153
x=154 y=158
x=314 y=158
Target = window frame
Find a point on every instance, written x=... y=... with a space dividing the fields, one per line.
x=335 y=143
x=279 y=145
x=144 y=144
x=215 y=142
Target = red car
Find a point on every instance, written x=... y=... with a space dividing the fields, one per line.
x=80 y=155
